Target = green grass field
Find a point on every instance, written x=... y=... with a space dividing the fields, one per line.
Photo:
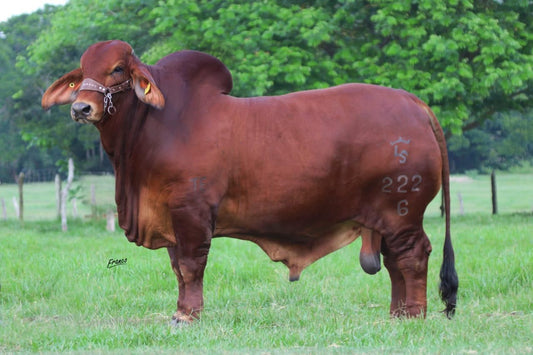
x=57 y=294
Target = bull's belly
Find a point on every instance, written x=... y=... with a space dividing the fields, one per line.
x=292 y=221
x=297 y=249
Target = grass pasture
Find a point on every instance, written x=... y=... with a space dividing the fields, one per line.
x=57 y=294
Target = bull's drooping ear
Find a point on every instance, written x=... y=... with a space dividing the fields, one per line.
x=64 y=90
x=145 y=86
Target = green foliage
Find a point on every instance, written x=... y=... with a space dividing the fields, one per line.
x=456 y=55
x=495 y=144
x=270 y=48
x=468 y=60
x=79 y=24
x=20 y=95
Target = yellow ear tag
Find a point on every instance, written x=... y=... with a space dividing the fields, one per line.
x=71 y=85
x=147 y=89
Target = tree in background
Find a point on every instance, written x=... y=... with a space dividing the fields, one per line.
x=468 y=60
x=500 y=143
x=18 y=95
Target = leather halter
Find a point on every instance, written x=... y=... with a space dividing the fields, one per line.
x=93 y=85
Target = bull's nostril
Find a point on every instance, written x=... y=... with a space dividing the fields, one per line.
x=81 y=108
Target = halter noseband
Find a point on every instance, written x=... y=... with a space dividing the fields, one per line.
x=93 y=85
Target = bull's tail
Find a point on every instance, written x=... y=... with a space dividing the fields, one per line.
x=449 y=281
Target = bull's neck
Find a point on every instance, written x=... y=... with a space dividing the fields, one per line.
x=119 y=132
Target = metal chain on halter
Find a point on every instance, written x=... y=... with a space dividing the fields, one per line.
x=93 y=85
x=108 y=104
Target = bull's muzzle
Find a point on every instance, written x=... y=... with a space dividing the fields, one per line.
x=80 y=112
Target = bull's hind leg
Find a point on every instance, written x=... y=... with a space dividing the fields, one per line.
x=406 y=259
x=397 y=282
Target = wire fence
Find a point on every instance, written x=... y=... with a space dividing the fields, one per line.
x=44 y=175
x=90 y=196
x=48 y=175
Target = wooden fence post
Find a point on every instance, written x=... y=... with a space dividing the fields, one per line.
x=75 y=207
x=58 y=195
x=4 y=212
x=64 y=195
x=110 y=221
x=20 y=183
x=493 y=189
x=16 y=207
x=461 y=206
x=93 y=202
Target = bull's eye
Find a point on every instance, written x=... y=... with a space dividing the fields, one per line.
x=118 y=70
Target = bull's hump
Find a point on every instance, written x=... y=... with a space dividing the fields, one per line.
x=198 y=68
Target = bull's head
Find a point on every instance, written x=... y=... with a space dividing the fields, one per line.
x=107 y=69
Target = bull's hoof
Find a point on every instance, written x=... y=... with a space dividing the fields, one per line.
x=409 y=312
x=371 y=263
x=180 y=319
x=293 y=278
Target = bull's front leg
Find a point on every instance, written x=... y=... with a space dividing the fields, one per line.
x=188 y=259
